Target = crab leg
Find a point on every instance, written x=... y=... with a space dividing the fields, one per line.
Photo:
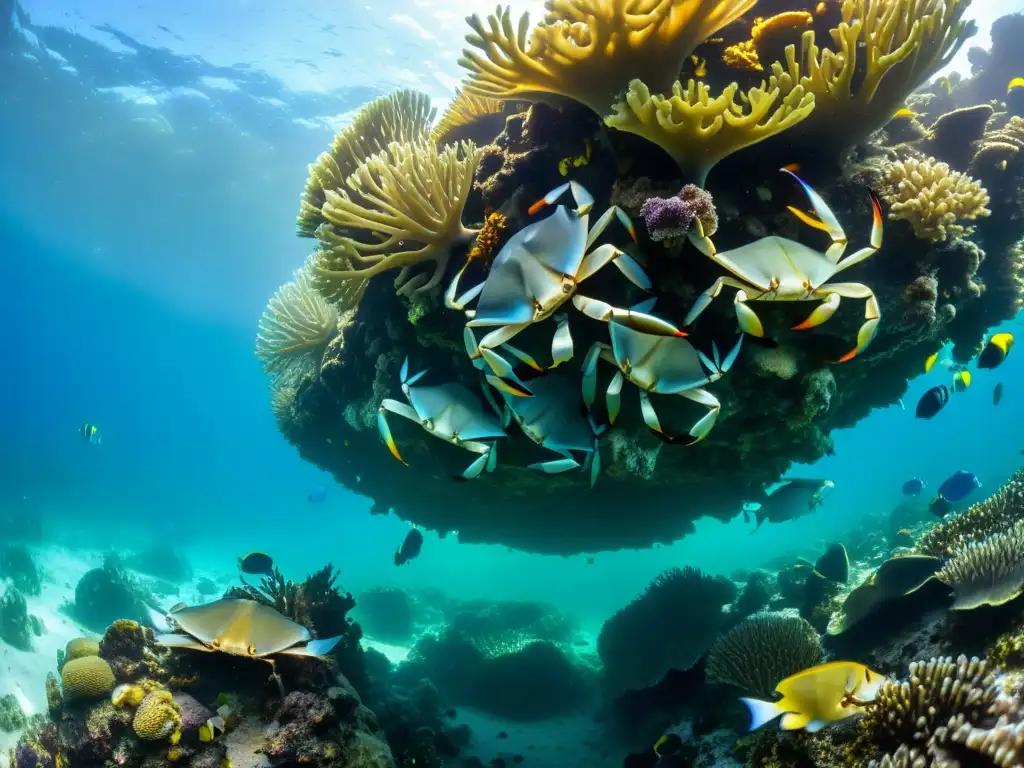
x=638 y=321
x=382 y=423
x=600 y=256
x=584 y=200
x=589 y=372
x=499 y=365
x=872 y=313
x=876 y=238
x=701 y=241
x=561 y=342
x=613 y=396
x=460 y=303
x=606 y=218
x=701 y=429
x=746 y=317
x=821 y=313
x=826 y=220
x=475 y=469
x=651 y=417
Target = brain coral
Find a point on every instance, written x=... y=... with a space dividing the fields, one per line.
x=79 y=647
x=158 y=717
x=87 y=676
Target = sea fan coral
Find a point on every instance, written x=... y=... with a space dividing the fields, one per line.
x=669 y=626
x=295 y=328
x=748 y=54
x=987 y=572
x=885 y=50
x=401 y=116
x=996 y=514
x=467 y=116
x=697 y=130
x=763 y=650
x=934 y=198
x=589 y=50
x=410 y=194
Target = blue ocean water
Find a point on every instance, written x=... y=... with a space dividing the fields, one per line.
x=151 y=160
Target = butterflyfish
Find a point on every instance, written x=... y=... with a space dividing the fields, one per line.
x=961 y=380
x=905 y=112
x=996 y=350
x=932 y=401
x=1017 y=82
x=817 y=696
x=410 y=548
x=90 y=432
x=257 y=564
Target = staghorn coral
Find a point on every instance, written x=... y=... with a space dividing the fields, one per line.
x=87 y=677
x=590 y=50
x=296 y=327
x=987 y=572
x=158 y=717
x=884 y=51
x=939 y=696
x=697 y=130
x=407 y=194
x=763 y=650
x=471 y=117
x=668 y=626
x=933 y=198
x=747 y=54
x=401 y=116
x=996 y=514
x=672 y=217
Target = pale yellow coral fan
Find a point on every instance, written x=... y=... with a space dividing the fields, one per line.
x=698 y=130
x=933 y=198
x=466 y=112
x=401 y=116
x=590 y=50
x=884 y=51
x=745 y=55
x=411 y=198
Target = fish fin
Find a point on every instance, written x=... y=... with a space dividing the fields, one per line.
x=180 y=641
x=314 y=647
x=793 y=721
x=814 y=726
x=761 y=712
x=158 y=620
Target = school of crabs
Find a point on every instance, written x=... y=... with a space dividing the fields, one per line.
x=540 y=268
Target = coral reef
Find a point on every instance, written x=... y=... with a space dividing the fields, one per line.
x=86 y=677
x=934 y=198
x=15 y=622
x=761 y=651
x=669 y=626
x=994 y=515
x=987 y=572
x=12 y=718
x=106 y=594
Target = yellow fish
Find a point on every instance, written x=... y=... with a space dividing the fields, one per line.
x=905 y=112
x=1017 y=82
x=961 y=380
x=576 y=162
x=930 y=362
x=817 y=696
x=996 y=350
x=700 y=66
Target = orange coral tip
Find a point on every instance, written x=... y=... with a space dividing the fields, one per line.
x=537 y=206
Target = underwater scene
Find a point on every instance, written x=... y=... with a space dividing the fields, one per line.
x=561 y=384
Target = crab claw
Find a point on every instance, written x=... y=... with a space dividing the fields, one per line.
x=821 y=313
x=561 y=343
x=637 y=321
x=746 y=317
x=613 y=396
x=867 y=332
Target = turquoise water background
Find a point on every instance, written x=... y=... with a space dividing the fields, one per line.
x=151 y=169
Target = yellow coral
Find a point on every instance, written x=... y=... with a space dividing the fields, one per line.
x=885 y=50
x=746 y=55
x=934 y=198
x=589 y=50
x=411 y=197
x=466 y=112
x=488 y=237
x=401 y=116
x=158 y=717
x=132 y=694
x=79 y=647
x=87 y=677
x=697 y=130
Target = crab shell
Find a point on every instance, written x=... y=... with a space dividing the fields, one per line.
x=453 y=413
x=662 y=364
x=552 y=417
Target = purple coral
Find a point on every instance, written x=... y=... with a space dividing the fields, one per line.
x=673 y=216
x=30 y=754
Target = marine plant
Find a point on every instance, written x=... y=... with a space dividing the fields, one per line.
x=762 y=650
x=18 y=565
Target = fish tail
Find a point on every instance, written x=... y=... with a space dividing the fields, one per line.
x=761 y=712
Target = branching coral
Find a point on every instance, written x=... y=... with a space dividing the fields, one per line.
x=669 y=626
x=467 y=116
x=589 y=50
x=697 y=130
x=295 y=328
x=409 y=194
x=747 y=55
x=884 y=51
x=996 y=514
x=934 y=198
x=401 y=116
x=763 y=650
x=987 y=572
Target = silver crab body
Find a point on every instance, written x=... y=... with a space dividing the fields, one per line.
x=779 y=269
x=450 y=412
x=666 y=365
x=534 y=274
x=552 y=419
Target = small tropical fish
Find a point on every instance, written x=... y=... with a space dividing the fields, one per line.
x=905 y=112
x=961 y=381
x=90 y=432
x=938 y=358
x=940 y=507
x=959 y=486
x=1017 y=82
x=256 y=564
x=913 y=487
x=820 y=8
x=667 y=745
x=577 y=161
x=211 y=729
x=317 y=495
x=817 y=696
x=931 y=402
x=790 y=499
x=700 y=66
x=996 y=350
x=410 y=548
x=997 y=394
x=904 y=532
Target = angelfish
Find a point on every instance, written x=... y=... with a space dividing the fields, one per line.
x=817 y=696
